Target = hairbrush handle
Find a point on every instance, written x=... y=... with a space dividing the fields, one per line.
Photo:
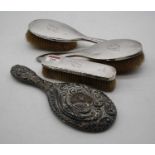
x=26 y=75
x=93 y=40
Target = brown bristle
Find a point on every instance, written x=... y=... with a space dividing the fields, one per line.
x=49 y=45
x=128 y=65
x=67 y=77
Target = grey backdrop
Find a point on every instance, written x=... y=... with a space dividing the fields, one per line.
x=25 y=116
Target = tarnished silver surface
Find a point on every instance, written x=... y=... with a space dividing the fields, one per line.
x=78 y=67
x=57 y=31
x=77 y=105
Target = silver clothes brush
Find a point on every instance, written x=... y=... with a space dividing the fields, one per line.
x=80 y=71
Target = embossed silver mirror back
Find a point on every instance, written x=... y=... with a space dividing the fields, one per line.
x=82 y=107
x=77 y=105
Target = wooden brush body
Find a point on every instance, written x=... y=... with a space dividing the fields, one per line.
x=48 y=44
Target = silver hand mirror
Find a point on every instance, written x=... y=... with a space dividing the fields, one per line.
x=77 y=105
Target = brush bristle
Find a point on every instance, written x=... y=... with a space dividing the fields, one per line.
x=67 y=77
x=128 y=65
x=49 y=45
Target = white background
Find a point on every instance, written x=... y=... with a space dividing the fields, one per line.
x=25 y=115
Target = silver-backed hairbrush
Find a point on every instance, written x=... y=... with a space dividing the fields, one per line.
x=124 y=54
